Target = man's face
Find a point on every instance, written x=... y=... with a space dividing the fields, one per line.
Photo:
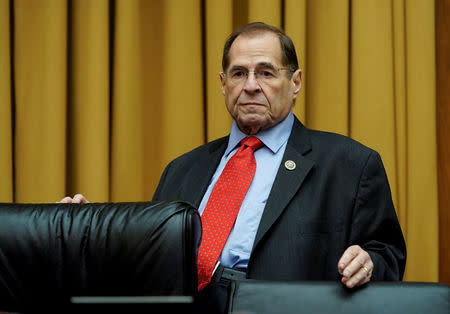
x=258 y=101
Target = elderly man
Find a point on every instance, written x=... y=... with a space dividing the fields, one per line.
x=279 y=201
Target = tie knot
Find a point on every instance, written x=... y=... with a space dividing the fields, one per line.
x=253 y=142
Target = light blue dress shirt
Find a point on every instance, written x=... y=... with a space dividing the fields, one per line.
x=238 y=247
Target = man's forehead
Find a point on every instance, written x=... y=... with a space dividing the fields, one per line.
x=257 y=48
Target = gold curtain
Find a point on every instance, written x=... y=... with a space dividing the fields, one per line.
x=96 y=97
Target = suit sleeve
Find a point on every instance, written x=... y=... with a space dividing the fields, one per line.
x=375 y=226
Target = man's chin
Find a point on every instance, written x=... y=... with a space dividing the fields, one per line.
x=252 y=124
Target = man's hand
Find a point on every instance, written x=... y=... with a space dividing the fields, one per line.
x=355 y=266
x=77 y=199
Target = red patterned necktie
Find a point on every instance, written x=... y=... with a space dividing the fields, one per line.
x=223 y=206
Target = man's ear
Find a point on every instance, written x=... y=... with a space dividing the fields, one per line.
x=222 y=81
x=297 y=82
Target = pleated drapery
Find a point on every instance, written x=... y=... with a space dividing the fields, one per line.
x=96 y=97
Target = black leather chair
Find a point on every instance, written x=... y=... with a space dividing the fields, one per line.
x=250 y=296
x=52 y=252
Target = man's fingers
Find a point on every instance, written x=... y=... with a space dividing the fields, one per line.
x=348 y=256
x=80 y=199
x=361 y=277
x=66 y=199
x=77 y=199
x=355 y=266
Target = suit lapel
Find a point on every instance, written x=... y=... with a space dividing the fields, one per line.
x=287 y=182
x=204 y=169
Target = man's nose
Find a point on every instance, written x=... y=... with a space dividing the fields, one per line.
x=251 y=84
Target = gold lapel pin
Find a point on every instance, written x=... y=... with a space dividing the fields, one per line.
x=290 y=165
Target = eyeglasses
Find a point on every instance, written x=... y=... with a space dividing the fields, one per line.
x=264 y=75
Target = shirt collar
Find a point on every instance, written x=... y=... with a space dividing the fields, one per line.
x=273 y=137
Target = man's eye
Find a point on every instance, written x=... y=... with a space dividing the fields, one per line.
x=266 y=73
x=238 y=74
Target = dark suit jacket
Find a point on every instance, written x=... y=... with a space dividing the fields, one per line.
x=338 y=195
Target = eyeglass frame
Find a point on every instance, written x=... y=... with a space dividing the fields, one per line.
x=263 y=67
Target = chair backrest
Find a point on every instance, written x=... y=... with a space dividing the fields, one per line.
x=51 y=252
x=332 y=297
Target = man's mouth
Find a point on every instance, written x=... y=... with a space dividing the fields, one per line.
x=250 y=103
